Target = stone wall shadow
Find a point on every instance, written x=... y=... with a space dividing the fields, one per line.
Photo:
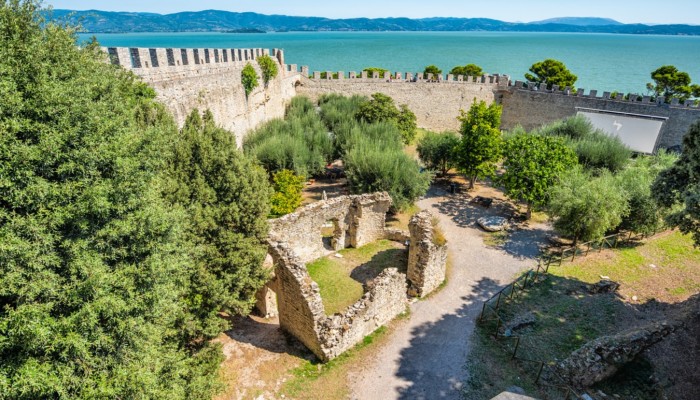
x=391 y=258
x=432 y=364
x=267 y=336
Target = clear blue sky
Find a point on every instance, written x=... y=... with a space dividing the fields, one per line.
x=628 y=11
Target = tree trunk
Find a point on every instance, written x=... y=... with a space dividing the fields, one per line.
x=528 y=215
x=472 y=179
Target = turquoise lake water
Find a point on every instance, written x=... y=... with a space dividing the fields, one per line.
x=601 y=61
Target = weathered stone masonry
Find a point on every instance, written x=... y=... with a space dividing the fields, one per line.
x=185 y=79
x=300 y=307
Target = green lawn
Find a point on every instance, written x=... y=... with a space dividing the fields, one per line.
x=333 y=275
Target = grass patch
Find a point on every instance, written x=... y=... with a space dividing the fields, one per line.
x=666 y=268
x=438 y=236
x=341 y=280
x=495 y=239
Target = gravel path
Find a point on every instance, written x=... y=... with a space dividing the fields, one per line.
x=425 y=357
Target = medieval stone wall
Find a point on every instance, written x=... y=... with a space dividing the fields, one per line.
x=185 y=79
x=436 y=102
x=426 y=259
x=358 y=220
x=534 y=106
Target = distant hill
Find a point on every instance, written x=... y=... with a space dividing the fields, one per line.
x=579 y=21
x=224 y=21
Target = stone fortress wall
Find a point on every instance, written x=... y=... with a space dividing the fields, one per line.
x=531 y=106
x=437 y=100
x=360 y=219
x=185 y=79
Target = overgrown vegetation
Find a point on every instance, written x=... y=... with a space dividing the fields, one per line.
x=249 y=79
x=268 y=67
x=364 y=134
x=671 y=83
x=551 y=72
x=472 y=70
x=287 y=196
x=431 y=71
x=122 y=238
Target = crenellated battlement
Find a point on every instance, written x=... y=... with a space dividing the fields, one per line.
x=634 y=98
x=140 y=59
x=398 y=77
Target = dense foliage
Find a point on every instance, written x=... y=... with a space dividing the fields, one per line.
x=94 y=266
x=433 y=70
x=249 y=79
x=672 y=83
x=532 y=165
x=268 y=67
x=299 y=143
x=472 y=70
x=595 y=149
x=382 y=108
x=225 y=196
x=480 y=146
x=551 y=72
x=436 y=150
x=586 y=207
x=287 y=196
x=371 y=70
x=679 y=186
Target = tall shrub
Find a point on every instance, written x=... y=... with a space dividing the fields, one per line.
x=94 y=269
x=287 y=197
x=268 y=67
x=249 y=79
x=436 y=150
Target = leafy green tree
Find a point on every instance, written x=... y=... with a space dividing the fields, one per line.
x=532 y=165
x=382 y=108
x=585 y=207
x=436 y=150
x=480 y=146
x=678 y=188
x=225 y=196
x=551 y=72
x=287 y=197
x=249 y=79
x=645 y=216
x=371 y=70
x=431 y=69
x=371 y=168
x=467 y=70
x=268 y=67
x=94 y=270
x=672 y=83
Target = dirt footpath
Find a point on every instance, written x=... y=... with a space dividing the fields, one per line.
x=425 y=356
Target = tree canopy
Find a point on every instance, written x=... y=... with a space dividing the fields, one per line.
x=586 y=207
x=678 y=188
x=436 y=150
x=467 y=70
x=268 y=67
x=382 y=108
x=532 y=165
x=551 y=72
x=480 y=145
x=672 y=83
x=431 y=69
x=107 y=290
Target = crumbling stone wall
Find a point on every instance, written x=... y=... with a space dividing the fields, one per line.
x=302 y=314
x=358 y=219
x=296 y=238
x=426 y=260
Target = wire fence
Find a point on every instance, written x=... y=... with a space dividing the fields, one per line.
x=490 y=311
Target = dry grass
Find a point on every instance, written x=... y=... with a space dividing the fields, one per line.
x=400 y=220
x=439 y=238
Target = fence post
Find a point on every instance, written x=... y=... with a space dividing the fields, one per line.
x=498 y=301
x=517 y=344
x=483 y=308
x=539 y=372
x=498 y=326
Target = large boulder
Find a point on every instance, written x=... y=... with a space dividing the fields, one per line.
x=492 y=223
x=603 y=357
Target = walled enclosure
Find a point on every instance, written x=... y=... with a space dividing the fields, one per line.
x=300 y=307
x=185 y=79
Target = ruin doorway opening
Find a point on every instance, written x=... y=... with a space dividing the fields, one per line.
x=331 y=235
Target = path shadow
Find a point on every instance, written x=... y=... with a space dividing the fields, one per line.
x=267 y=335
x=526 y=243
x=391 y=258
x=432 y=364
